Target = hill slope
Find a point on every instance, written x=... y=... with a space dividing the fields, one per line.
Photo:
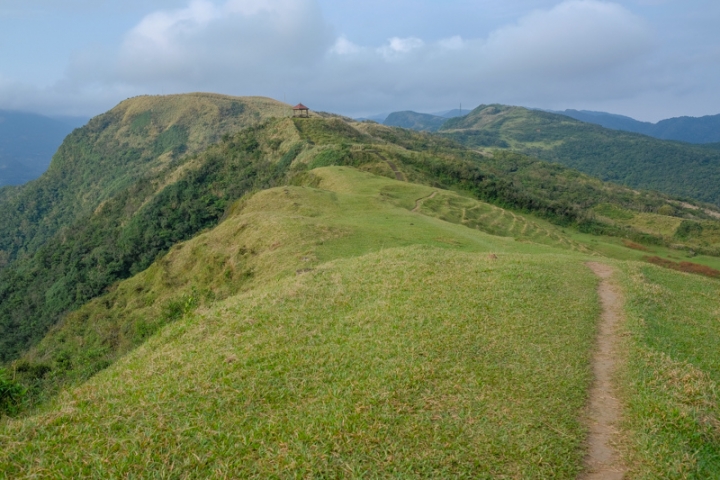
x=181 y=198
x=325 y=298
x=113 y=151
x=627 y=158
x=383 y=326
x=372 y=338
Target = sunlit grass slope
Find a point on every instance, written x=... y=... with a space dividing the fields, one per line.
x=363 y=327
x=270 y=235
x=414 y=361
x=325 y=332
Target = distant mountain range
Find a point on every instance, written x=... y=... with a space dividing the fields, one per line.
x=685 y=129
x=632 y=159
x=698 y=130
x=27 y=143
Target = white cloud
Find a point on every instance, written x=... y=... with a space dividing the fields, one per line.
x=576 y=36
x=577 y=50
x=396 y=47
x=343 y=46
x=249 y=40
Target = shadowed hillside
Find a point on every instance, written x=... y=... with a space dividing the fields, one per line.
x=685 y=129
x=422 y=122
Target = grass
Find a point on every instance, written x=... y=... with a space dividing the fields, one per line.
x=672 y=418
x=332 y=331
x=328 y=332
x=414 y=361
x=271 y=235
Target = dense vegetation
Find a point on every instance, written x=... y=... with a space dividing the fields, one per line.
x=111 y=153
x=126 y=235
x=631 y=159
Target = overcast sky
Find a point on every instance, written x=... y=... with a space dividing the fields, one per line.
x=650 y=59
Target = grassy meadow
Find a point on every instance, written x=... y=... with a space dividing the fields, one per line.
x=413 y=361
x=672 y=377
x=354 y=326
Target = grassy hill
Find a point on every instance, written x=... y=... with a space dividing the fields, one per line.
x=112 y=152
x=368 y=340
x=325 y=298
x=631 y=159
x=180 y=198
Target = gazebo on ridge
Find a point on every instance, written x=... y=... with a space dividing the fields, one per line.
x=301 y=111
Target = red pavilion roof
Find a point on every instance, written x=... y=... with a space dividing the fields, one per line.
x=300 y=106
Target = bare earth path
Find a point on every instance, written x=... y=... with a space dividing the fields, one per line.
x=418 y=202
x=603 y=460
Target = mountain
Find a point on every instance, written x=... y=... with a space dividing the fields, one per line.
x=327 y=298
x=422 y=122
x=631 y=159
x=116 y=150
x=27 y=144
x=685 y=129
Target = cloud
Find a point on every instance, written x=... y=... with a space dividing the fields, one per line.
x=580 y=36
x=248 y=40
x=578 y=49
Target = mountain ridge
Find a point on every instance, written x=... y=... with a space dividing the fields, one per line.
x=318 y=297
x=697 y=130
x=628 y=158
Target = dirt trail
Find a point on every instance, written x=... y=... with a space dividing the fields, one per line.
x=398 y=174
x=603 y=460
x=418 y=202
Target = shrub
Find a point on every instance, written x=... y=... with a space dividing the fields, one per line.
x=11 y=394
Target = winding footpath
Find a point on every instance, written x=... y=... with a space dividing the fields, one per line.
x=603 y=460
x=419 y=201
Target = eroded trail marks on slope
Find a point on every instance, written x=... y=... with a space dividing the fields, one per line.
x=419 y=201
x=603 y=460
x=398 y=174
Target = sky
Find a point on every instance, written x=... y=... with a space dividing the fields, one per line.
x=648 y=59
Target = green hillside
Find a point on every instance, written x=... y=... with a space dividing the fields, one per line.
x=368 y=340
x=115 y=150
x=325 y=298
x=178 y=199
x=630 y=159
